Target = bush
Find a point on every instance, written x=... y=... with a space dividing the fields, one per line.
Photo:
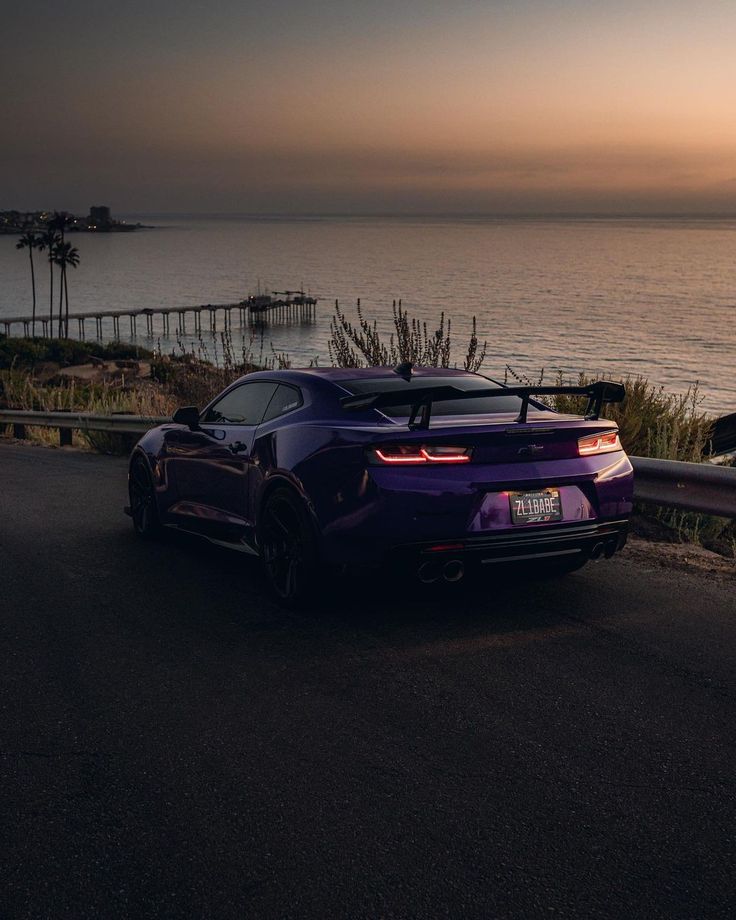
x=25 y=352
x=652 y=423
x=65 y=352
x=360 y=344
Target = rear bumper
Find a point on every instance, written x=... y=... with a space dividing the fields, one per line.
x=586 y=541
x=394 y=511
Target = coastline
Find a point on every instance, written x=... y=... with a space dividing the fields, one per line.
x=14 y=222
x=600 y=297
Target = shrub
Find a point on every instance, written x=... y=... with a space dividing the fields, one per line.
x=361 y=345
x=652 y=423
x=23 y=352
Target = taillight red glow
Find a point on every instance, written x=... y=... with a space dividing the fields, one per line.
x=406 y=453
x=400 y=455
x=439 y=454
x=600 y=443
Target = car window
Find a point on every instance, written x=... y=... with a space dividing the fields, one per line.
x=244 y=405
x=283 y=400
x=479 y=406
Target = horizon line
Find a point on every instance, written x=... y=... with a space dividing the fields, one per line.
x=454 y=215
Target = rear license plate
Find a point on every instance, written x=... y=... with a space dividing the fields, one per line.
x=535 y=507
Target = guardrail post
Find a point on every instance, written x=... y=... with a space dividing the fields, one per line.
x=19 y=432
x=65 y=437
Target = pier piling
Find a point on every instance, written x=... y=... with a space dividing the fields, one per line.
x=253 y=310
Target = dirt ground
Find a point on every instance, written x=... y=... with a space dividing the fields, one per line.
x=682 y=556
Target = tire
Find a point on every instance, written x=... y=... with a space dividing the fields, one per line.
x=288 y=547
x=143 y=508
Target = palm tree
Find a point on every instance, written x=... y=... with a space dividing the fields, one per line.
x=64 y=255
x=48 y=241
x=60 y=222
x=30 y=241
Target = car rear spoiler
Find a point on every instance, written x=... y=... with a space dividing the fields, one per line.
x=421 y=399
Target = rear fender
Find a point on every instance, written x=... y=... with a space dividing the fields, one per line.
x=285 y=480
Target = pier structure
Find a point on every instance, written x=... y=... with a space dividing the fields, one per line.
x=256 y=310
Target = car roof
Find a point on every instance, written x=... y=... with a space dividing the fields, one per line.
x=350 y=373
x=306 y=375
x=329 y=383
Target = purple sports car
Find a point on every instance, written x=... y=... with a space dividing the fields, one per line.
x=434 y=470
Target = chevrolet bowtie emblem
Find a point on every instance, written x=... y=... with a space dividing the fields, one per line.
x=531 y=449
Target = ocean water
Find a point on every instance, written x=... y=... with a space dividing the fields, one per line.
x=652 y=297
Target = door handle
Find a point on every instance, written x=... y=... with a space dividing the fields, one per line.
x=238 y=447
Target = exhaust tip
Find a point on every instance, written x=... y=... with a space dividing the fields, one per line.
x=597 y=551
x=428 y=573
x=453 y=570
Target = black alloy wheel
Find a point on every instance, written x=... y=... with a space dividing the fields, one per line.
x=143 y=508
x=288 y=547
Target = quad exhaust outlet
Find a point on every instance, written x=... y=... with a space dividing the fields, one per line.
x=606 y=549
x=451 y=571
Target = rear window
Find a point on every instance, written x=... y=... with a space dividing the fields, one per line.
x=480 y=406
x=284 y=400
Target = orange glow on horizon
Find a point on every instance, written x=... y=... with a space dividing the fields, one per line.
x=426 y=105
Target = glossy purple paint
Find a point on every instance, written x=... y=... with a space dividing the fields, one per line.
x=214 y=480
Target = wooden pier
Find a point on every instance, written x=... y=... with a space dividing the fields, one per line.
x=256 y=310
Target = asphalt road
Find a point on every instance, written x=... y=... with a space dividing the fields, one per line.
x=172 y=744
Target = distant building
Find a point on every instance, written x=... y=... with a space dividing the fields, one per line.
x=99 y=220
x=100 y=217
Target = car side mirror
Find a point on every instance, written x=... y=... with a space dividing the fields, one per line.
x=187 y=415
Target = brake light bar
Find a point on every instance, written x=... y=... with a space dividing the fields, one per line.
x=446 y=454
x=601 y=443
x=410 y=453
x=398 y=457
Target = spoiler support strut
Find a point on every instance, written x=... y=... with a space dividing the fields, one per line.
x=602 y=391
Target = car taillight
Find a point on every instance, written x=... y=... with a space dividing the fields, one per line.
x=600 y=443
x=410 y=453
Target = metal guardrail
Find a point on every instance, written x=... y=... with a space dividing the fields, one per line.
x=704 y=487
x=66 y=422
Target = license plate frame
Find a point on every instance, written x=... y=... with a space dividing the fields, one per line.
x=535 y=506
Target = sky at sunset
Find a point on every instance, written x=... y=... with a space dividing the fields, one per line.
x=316 y=106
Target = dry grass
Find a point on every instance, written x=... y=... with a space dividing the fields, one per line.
x=190 y=376
x=360 y=344
x=194 y=375
x=20 y=389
